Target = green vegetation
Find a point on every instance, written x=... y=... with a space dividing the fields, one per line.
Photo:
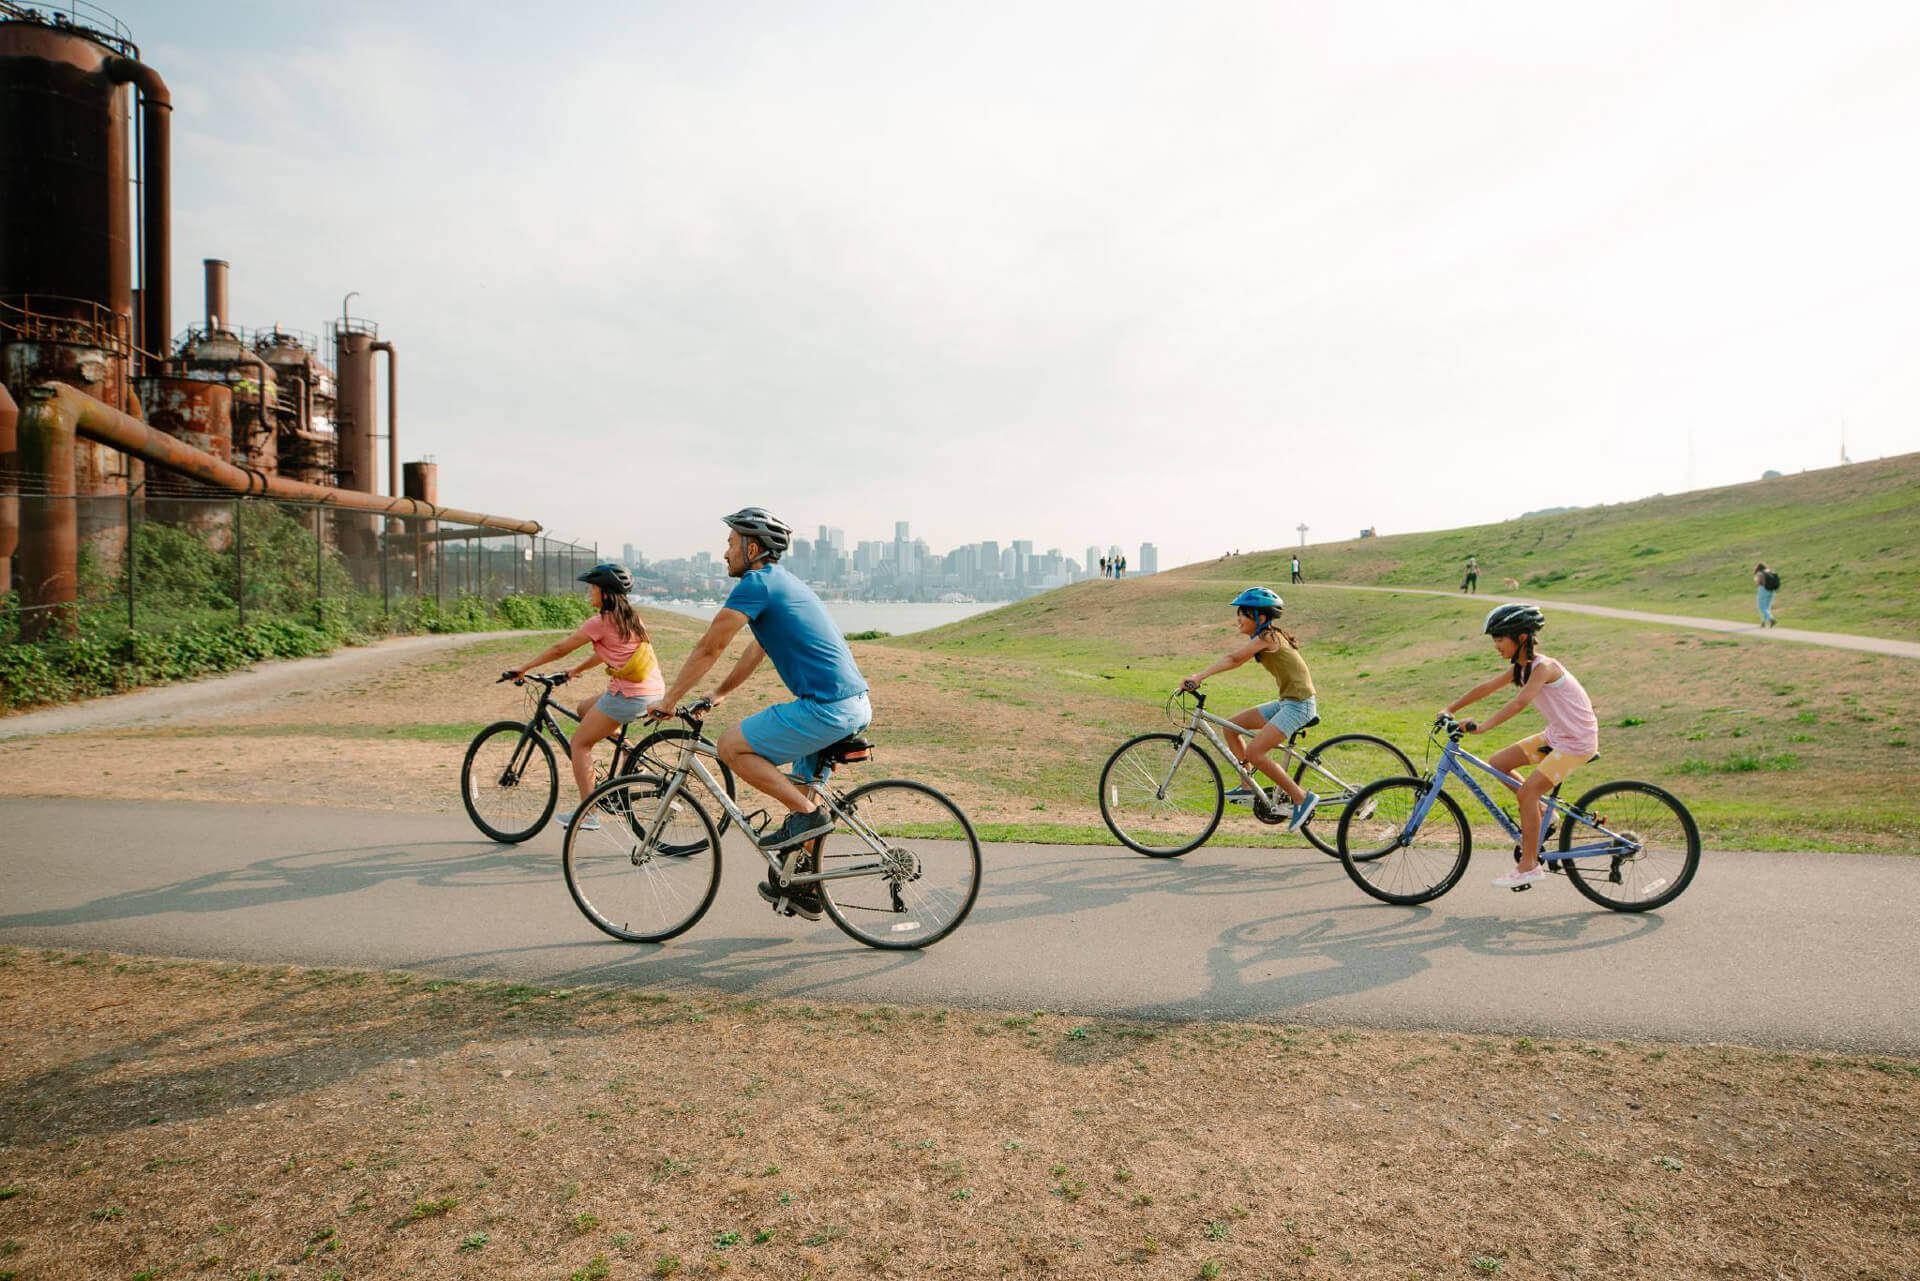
x=300 y=600
x=1842 y=539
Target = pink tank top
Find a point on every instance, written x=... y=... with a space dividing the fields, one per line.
x=1571 y=725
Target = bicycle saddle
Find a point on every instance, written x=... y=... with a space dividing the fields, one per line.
x=1311 y=722
x=847 y=751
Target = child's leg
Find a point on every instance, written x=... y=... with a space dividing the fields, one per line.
x=1250 y=720
x=595 y=725
x=1256 y=755
x=1536 y=786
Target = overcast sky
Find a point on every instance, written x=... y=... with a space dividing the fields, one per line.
x=1080 y=273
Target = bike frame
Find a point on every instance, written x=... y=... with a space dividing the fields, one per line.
x=692 y=749
x=1201 y=724
x=544 y=720
x=1454 y=763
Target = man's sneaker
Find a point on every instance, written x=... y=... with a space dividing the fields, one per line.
x=1240 y=796
x=1303 y=811
x=1517 y=880
x=591 y=823
x=798 y=829
x=801 y=899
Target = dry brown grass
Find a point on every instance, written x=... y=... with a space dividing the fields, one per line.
x=185 y=1119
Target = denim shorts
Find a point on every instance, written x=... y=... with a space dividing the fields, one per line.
x=624 y=709
x=792 y=733
x=1288 y=714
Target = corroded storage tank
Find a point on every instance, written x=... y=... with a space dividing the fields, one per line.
x=356 y=415
x=225 y=356
x=197 y=413
x=65 y=220
x=306 y=399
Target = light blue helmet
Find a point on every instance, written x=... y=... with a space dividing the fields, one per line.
x=1259 y=598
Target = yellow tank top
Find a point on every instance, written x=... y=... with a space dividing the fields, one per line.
x=1288 y=669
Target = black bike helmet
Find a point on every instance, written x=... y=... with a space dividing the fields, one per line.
x=762 y=526
x=608 y=575
x=1514 y=618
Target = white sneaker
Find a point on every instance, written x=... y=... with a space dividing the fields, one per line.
x=1517 y=880
x=591 y=823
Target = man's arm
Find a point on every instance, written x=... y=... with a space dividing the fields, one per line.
x=748 y=661
x=706 y=652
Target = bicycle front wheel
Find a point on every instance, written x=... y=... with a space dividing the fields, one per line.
x=508 y=781
x=925 y=860
x=636 y=889
x=1392 y=860
x=1337 y=770
x=659 y=753
x=1157 y=801
x=1656 y=847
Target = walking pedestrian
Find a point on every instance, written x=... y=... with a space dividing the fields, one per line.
x=1296 y=571
x=1471 y=583
x=1103 y=567
x=1766 y=582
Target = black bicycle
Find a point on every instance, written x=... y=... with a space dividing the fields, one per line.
x=510 y=781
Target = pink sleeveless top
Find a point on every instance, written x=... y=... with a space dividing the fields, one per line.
x=1571 y=725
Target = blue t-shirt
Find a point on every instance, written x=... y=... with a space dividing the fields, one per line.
x=798 y=634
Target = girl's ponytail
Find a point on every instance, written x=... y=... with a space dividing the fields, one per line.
x=625 y=620
x=1522 y=658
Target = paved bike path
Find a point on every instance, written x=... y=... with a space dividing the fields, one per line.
x=1833 y=640
x=1801 y=950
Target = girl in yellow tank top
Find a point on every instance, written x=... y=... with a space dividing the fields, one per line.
x=1257 y=618
x=620 y=643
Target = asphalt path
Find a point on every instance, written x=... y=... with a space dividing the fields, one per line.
x=1781 y=635
x=1812 y=951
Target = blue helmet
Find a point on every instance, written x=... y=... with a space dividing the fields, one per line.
x=1259 y=598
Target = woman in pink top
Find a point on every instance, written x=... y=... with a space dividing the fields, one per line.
x=634 y=682
x=1572 y=736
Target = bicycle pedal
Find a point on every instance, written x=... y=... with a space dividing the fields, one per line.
x=1520 y=889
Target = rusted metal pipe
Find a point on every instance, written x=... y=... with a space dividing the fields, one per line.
x=109 y=426
x=393 y=416
x=156 y=226
x=9 y=497
x=217 y=315
x=267 y=424
x=50 y=522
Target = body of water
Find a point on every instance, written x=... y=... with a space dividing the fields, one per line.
x=895 y=617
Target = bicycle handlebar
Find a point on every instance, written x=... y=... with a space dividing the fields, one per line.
x=551 y=682
x=1452 y=728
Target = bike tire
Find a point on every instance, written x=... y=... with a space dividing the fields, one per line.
x=637 y=894
x=1386 y=862
x=495 y=773
x=931 y=837
x=1660 y=873
x=644 y=758
x=1371 y=757
x=1131 y=777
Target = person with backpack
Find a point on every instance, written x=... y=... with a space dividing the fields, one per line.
x=1767 y=582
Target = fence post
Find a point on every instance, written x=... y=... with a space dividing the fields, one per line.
x=386 y=555
x=240 y=560
x=130 y=557
x=319 y=574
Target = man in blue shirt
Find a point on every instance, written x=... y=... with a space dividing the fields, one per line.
x=791 y=627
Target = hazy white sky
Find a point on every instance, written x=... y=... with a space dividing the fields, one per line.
x=1080 y=273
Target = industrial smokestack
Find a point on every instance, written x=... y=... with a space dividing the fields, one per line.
x=217 y=314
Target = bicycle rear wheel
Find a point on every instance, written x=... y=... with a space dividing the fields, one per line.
x=1337 y=769
x=1392 y=864
x=659 y=753
x=636 y=890
x=508 y=781
x=1658 y=846
x=1155 y=807
x=929 y=865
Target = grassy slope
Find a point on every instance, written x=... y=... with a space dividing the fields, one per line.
x=1841 y=538
x=1772 y=745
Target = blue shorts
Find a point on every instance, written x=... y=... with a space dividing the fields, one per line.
x=623 y=708
x=1289 y=714
x=792 y=733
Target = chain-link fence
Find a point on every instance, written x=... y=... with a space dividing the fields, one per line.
x=158 y=560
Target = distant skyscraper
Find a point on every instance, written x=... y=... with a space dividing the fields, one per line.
x=1093 y=560
x=627 y=556
x=900 y=532
x=1149 y=558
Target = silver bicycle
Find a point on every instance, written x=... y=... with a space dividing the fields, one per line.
x=1161 y=793
x=900 y=869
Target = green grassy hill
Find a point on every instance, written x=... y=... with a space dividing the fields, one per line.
x=1774 y=745
x=1843 y=540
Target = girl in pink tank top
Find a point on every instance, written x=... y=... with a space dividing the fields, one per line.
x=1571 y=739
